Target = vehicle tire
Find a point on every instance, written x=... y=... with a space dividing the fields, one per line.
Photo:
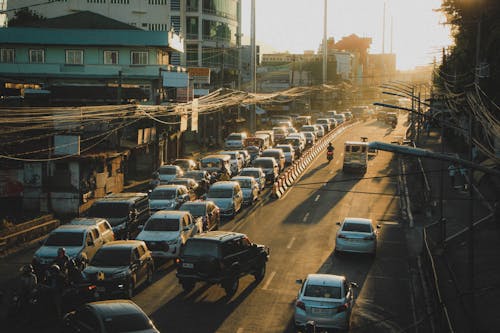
x=231 y=286
x=187 y=286
x=149 y=279
x=260 y=273
x=129 y=293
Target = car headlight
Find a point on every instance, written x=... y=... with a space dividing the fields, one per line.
x=120 y=275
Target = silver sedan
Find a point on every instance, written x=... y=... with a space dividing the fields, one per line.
x=356 y=235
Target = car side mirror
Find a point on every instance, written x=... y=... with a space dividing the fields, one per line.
x=379 y=226
x=338 y=223
x=354 y=285
x=299 y=281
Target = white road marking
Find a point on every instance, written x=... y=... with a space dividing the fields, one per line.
x=390 y=223
x=317 y=198
x=269 y=279
x=289 y=246
x=305 y=217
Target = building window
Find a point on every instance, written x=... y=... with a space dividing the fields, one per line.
x=157 y=2
x=74 y=57
x=37 y=56
x=192 y=55
x=138 y=58
x=96 y=1
x=175 y=5
x=7 y=55
x=191 y=27
x=111 y=57
x=192 y=5
x=162 y=58
x=121 y=2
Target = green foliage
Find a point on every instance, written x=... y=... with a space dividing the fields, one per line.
x=316 y=69
x=25 y=17
x=463 y=16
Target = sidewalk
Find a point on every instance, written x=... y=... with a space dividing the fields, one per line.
x=452 y=261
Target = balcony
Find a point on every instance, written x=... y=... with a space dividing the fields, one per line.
x=219 y=13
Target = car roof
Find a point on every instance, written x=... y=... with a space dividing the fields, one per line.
x=123 y=243
x=181 y=179
x=87 y=220
x=218 y=235
x=167 y=187
x=358 y=220
x=356 y=143
x=169 y=214
x=251 y=169
x=72 y=228
x=218 y=156
x=169 y=166
x=198 y=203
x=264 y=158
x=114 y=307
x=242 y=178
x=325 y=279
x=224 y=184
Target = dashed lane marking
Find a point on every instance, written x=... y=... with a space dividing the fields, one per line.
x=305 y=217
x=289 y=246
x=317 y=198
x=269 y=279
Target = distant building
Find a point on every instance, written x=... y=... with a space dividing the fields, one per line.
x=380 y=68
x=84 y=65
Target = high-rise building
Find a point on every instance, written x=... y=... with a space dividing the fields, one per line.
x=211 y=28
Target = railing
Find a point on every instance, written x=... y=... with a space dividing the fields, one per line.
x=439 y=311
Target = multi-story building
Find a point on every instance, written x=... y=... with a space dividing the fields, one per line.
x=211 y=28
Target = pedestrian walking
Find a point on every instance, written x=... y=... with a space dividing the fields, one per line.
x=452 y=171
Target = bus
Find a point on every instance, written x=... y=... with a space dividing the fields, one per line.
x=355 y=156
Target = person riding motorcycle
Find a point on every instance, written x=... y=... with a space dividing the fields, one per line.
x=28 y=282
x=62 y=259
x=329 y=152
x=55 y=284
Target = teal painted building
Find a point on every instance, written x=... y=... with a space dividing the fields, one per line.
x=87 y=66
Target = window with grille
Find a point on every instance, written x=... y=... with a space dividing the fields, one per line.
x=7 y=55
x=138 y=58
x=111 y=57
x=74 y=57
x=37 y=56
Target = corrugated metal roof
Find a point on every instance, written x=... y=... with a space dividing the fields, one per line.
x=83 y=37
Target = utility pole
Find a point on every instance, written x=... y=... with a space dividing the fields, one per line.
x=325 y=48
x=253 y=64
x=222 y=68
x=383 y=31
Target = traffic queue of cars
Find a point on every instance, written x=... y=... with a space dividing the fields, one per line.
x=179 y=218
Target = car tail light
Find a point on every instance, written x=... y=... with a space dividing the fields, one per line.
x=91 y=287
x=343 y=307
x=342 y=236
x=300 y=305
x=178 y=261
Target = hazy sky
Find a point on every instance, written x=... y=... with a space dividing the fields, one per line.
x=297 y=25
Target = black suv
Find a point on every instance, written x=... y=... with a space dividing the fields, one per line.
x=220 y=257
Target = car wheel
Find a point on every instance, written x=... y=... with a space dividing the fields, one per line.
x=129 y=293
x=231 y=286
x=187 y=286
x=260 y=273
x=149 y=279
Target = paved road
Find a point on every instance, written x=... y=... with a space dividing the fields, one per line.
x=300 y=230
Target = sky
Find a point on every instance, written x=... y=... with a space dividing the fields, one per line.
x=297 y=25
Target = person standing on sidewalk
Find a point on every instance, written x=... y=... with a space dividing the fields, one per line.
x=452 y=171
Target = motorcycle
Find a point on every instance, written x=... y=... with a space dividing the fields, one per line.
x=329 y=155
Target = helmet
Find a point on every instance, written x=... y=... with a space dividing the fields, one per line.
x=54 y=269
x=329 y=143
x=61 y=250
x=26 y=269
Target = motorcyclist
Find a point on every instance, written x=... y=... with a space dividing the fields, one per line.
x=75 y=275
x=28 y=282
x=62 y=260
x=55 y=283
x=329 y=151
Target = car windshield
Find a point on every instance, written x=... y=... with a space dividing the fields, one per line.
x=286 y=149
x=279 y=131
x=200 y=247
x=234 y=137
x=266 y=164
x=246 y=183
x=220 y=193
x=195 y=210
x=179 y=182
x=322 y=291
x=210 y=163
x=109 y=209
x=194 y=175
x=130 y=322
x=111 y=257
x=182 y=164
x=65 y=239
x=167 y=171
x=250 y=173
x=161 y=224
x=356 y=227
x=163 y=194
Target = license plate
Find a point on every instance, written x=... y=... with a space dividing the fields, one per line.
x=187 y=265
x=320 y=310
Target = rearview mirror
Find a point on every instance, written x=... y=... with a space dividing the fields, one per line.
x=354 y=285
x=299 y=281
x=379 y=226
x=338 y=223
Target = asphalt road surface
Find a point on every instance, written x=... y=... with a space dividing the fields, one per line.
x=300 y=230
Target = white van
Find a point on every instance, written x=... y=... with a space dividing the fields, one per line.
x=355 y=156
x=104 y=227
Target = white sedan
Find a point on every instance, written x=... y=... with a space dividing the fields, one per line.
x=325 y=299
x=356 y=235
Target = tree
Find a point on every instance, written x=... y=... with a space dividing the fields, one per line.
x=25 y=17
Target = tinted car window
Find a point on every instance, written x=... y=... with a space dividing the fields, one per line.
x=158 y=224
x=163 y=194
x=358 y=227
x=220 y=193
x=167 y=171
x=129 y=322
x=111 y=257
x=322 y=291
x=109 y=209
x=195 y=210
x=245 y=183
x=250 y=173
x=267 y=164
x=65 y=239
x=200 y=247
